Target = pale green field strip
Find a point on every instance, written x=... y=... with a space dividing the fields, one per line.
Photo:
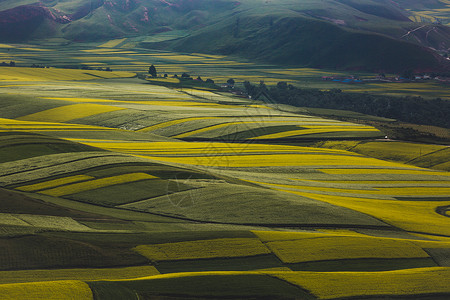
x=76 y=274
x=52 y=290
x=344 y=247
x=40 y=221
x=54 y=183
x=418 y=216
x=95 y=184
x=329 y=285
x=37 y=163
x=58 y=165
x=69 y=112
x=217 y=248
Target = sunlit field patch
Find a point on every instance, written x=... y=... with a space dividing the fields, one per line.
x=53 y=74
x=418 y=216
x=52 y=290
x=343 y=247
x=233 y=247
x=329 y=285
x=69 y=112
x=112 y=43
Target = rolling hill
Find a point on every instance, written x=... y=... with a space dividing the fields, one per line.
x=106 y=192
x=372 y=35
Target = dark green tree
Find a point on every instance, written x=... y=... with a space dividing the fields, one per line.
x=152 y=71
x=231 y=82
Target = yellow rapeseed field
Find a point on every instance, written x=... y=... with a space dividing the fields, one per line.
x=112 y=43
x=343 y=247
x=69 y=112
x=227 y=247
x=54 y=183
x=53 y=74
x=52 y=290
x=328 y=285
x=95 y=184
x=418 y=216
x=410 y=171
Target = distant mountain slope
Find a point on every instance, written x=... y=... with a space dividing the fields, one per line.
x=309 y=42
x=365 y=34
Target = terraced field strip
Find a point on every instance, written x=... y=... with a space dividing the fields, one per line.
x=8 y=125
x=385 y=191
x=76 y=274
x=174 y=122
x=361 y=171
x=273 y=160
x=53 y=74
x=95 y=184
x=30 y=170
x=330 y=285
x=217 y=248
x=343 y=247
x=199 y=149
x=41 y=221
x=69 y=112
x=382 y=183
x=112 y=43
x=52 y=290
x=54 y=183
x=318 y=129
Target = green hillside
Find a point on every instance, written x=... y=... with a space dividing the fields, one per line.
x=294 y=41
x=369 y=35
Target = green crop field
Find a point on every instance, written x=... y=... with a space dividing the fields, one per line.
x=119 y=187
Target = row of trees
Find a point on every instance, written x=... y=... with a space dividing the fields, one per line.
x=415 y=110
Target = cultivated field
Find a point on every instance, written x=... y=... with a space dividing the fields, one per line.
x=113 y=187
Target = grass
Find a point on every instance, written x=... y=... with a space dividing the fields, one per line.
x=76 y=274
x=200 y=285
x=54 y=252
x=217 y=248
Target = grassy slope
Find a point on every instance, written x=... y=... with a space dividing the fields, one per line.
x=294 y=41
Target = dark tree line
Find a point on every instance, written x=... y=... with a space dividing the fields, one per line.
x=416 y=110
